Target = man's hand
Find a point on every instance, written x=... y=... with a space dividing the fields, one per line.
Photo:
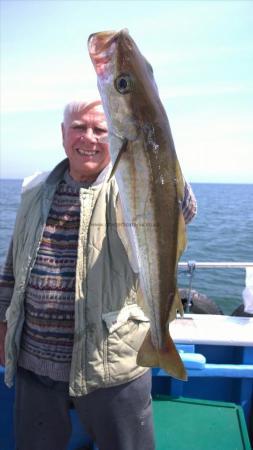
x=3 y=329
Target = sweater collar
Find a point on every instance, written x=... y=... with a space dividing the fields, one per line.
x=62 y=168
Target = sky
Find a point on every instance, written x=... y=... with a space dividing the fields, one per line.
x=202 y=57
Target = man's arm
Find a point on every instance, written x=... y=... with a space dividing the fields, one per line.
x=6 y=284
x=189 y=204
x=6 y=289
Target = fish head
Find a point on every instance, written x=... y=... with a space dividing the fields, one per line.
x=126 y=83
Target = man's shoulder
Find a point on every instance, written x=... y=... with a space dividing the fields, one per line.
x=39 y=177
x=34 y=180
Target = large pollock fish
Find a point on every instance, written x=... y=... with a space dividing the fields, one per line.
x=150 y=181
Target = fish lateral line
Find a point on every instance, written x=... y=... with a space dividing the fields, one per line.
x=122 y=150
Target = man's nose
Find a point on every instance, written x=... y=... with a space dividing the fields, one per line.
x=89 y=134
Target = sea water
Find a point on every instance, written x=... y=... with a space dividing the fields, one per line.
x=222 y=231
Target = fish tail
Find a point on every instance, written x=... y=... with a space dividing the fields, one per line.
x=166 y=358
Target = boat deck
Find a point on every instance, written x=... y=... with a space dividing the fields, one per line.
x=218 y=354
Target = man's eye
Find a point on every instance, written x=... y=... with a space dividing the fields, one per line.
x=78 y=127
x=100 y=130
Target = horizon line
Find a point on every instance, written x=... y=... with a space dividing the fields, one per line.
x=191 y=182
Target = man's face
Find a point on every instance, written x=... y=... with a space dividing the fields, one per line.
x=84 y=137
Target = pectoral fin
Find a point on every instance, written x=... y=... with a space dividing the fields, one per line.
x=166 y=358
x=122 y=150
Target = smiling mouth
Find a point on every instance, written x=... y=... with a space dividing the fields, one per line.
x=86 y=152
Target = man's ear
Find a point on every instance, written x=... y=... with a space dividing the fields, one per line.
x=62 y=132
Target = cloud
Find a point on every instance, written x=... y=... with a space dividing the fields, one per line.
x=207 y=89
x=197 y=52
x=215 y=147
x=46 y=85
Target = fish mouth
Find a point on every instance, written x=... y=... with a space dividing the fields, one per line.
x=101 y=47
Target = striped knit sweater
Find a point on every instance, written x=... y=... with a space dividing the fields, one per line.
x=47 y=339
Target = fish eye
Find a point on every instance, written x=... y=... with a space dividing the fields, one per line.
x=124 y=83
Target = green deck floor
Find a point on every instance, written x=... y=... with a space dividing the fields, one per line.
x=187 y=424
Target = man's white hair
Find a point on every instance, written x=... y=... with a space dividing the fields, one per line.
x=78 y=106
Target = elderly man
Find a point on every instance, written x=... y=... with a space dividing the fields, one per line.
x=58 y=286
